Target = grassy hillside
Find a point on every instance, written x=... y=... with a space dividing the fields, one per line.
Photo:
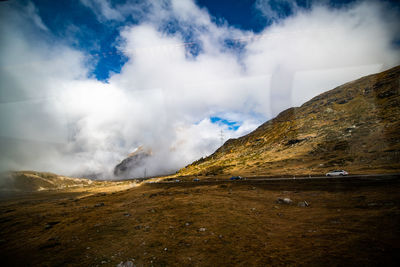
x=355 y=126
x=32 y=181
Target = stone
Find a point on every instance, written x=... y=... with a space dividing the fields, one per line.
x=125 y=264
x=285 y=200
x=303 y=204
x=50 y=225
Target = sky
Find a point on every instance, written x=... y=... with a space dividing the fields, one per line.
x=84 y=83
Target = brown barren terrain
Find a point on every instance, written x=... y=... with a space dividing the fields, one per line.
x=349 y=221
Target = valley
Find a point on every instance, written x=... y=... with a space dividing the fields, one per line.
x=346 y=221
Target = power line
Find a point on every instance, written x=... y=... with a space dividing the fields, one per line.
x=221 y=135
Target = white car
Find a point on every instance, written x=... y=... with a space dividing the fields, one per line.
x=337 y=173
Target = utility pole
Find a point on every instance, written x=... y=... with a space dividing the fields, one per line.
x=221 y=135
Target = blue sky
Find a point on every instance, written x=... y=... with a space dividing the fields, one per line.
x=232 y=125
x=98 y=38
x=85 y=82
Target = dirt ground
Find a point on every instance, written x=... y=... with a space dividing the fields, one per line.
x=349 y=222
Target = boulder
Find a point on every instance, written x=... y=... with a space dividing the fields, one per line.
x=126 y=264
x=303 y=204
x=285 y=200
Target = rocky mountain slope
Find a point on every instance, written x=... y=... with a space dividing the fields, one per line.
x=355 y=127
x=135 y=160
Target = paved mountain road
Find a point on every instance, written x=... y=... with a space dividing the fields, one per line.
x=261 y=180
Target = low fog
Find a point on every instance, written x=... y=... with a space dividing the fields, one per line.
x=55 y=116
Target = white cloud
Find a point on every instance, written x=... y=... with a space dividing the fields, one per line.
x=274 y=10
x=103 y=10
x=31 y=13
x=55 y=118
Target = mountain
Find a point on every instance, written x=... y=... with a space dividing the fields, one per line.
x=132 y=163
x=355 y=127
x=31 y=181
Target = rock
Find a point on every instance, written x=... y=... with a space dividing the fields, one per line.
x=125 y=264
x=50 y=225
x=285 y=200
x=303 y=204
x=294 y=141
x=50 y=244
x=99 y=204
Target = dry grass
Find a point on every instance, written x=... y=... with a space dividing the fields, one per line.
x=347 y=223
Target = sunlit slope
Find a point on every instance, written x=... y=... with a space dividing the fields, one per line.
x=355 y=126
x=32 y=181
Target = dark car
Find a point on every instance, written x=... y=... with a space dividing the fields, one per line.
x=233 y=178
x=196 y=180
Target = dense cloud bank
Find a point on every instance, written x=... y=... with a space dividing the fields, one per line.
x=55 y=117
